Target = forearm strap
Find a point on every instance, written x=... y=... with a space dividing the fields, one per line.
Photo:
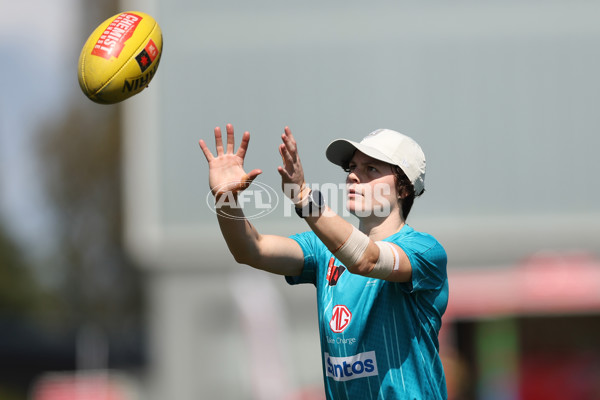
x=387 y=262
x=352 y=250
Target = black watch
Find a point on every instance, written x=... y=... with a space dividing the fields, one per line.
x=315 y=202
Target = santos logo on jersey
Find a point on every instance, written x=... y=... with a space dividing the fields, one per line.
x=346 y=368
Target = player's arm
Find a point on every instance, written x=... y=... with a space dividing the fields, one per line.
x=366 y=256
x=361 y=255
x=227 y=177
x=276 y=254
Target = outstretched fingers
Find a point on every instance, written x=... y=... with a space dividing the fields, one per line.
x=219 y=141
x=286 y=157
x=209 y=156
x=221 y=150
x=230 y=138
x=241 y=151
x=290 y=143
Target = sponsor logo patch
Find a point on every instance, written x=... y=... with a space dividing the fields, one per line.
x=340 y=319
x=354 y=367
x=147 y=56
x=113 y=39
x=334 y=272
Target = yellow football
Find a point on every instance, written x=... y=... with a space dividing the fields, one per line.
x=120 y=57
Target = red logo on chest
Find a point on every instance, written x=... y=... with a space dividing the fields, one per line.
x=340 y=319
x=334 y=272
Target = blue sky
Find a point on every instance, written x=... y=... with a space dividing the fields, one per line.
x=39 y=43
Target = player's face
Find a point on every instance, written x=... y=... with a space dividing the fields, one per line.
x=371 y=187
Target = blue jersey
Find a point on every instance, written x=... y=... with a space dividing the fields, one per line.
x=379 y=339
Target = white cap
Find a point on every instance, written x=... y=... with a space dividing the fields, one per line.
x=384 y=145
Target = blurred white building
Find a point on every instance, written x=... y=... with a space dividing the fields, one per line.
x=502 y=96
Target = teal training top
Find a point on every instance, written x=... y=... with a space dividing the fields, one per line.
x=379 y=339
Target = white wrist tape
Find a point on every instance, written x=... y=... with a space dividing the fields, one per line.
x=353 y=248
x=387 y=262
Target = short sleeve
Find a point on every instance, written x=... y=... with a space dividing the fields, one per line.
x=428 y=262
x=307 y=241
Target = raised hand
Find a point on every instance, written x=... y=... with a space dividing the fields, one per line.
x=226 y=170
x=292 y=175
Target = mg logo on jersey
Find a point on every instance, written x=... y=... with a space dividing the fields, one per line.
x=347 y=368
x=340 y=318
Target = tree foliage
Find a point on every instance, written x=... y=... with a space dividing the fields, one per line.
x=19 y=291
x=81 y=156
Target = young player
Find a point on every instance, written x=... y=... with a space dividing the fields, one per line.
x=381 y=289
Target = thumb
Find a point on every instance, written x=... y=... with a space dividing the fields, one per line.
x=249 y=177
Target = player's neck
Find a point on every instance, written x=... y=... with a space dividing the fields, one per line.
x=378 y=228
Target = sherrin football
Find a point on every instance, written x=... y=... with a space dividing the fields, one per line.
x=120 y=57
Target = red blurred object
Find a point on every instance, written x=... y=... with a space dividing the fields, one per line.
x=559 y=377
x=74 y=387
x=547 y=282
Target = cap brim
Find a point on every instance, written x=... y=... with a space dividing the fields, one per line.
x=340 y=152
